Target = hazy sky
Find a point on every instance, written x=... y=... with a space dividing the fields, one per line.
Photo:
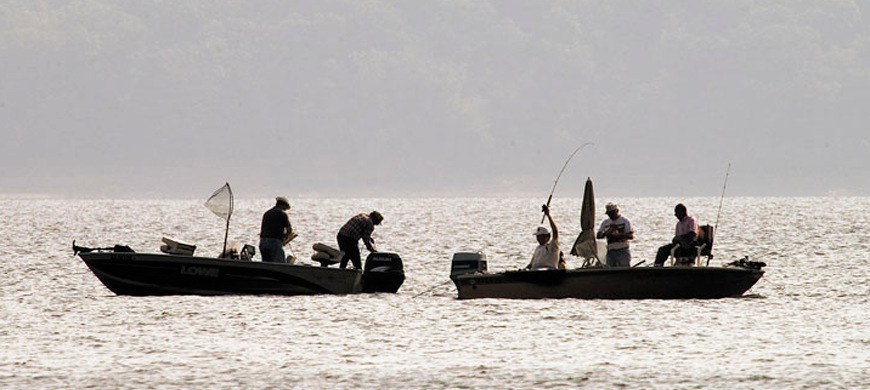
x=410 y=98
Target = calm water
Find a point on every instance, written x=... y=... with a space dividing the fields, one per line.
x=804 y=325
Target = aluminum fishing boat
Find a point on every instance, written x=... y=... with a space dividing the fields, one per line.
x=472 y=281
x=688 y=279
x=131 y=273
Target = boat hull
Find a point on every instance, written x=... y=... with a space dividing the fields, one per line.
x=611 y=283
x=142 y=274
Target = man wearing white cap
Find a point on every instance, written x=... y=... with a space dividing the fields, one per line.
x=547 y=253
x=617 y=229
x=275 y=231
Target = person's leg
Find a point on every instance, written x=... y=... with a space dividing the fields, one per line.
x=624 y=258
x=265 y=250
x=278 y=255
x=342 y=246
x=272 y=250
x=350 y=247
x=663 y=253
x=357 y=261
x=610 y=258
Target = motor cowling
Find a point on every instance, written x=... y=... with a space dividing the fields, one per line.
x=383 y=272
x=467 y=263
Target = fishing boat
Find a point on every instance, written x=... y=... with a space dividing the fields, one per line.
x=678 y=282
x=126 y=272
x=176 y=271
x=687 y=278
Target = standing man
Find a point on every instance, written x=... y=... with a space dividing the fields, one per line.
x=546 y=255
x=687 y=230
x=359 y=227
x=617 y=229
x=275 y=231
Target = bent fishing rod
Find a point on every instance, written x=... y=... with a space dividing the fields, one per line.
x=556 y=182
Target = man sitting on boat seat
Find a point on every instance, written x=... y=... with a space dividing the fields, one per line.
x=617 y=229
x=703 y=247
x=275 y=231
x=684 y=237
x=547 y=253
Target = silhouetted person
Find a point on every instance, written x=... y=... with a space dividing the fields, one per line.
x=684 y=238
x=275 y=231
x=359 y=227
x=546 y=255
x=617 y=229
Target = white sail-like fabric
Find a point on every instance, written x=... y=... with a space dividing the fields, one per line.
x=586 y=246
x=221 y=202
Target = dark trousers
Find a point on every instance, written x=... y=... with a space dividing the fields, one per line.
x=665 y=252
x=351 y=251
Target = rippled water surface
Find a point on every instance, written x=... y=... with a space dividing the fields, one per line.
x=804 y=325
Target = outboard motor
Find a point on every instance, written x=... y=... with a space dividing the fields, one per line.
x=383 y=272
x=467 y=263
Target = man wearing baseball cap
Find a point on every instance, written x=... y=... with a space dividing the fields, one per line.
x=546 y=255
x=275 y=231
x=617 y=229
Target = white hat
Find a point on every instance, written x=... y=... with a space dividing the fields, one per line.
x=541 y=231
x=611 y=206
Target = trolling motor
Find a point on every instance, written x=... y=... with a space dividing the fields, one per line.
x=746 y=263
x=117 y=248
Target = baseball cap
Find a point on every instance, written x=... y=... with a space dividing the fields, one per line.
x=541 y=230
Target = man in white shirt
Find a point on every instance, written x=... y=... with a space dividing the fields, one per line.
x=617 y=229
x=547 y=253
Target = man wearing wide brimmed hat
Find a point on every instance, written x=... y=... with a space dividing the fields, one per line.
x=358 y=227
x=275 y=231
x=617 y=230
x=546 y=255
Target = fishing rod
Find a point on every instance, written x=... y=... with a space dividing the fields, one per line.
x=722 y=199
x=432 y=288
x=550 y=198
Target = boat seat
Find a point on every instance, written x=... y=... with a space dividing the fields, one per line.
x=703 y=247
x=326 y=255
x=591 y=262
x=174 y=247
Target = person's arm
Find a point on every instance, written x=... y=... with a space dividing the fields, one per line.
x=627 y=235
x=690 y=236
x=369 y=242
x=555 y=236
x=602 y=231
x=288 y=231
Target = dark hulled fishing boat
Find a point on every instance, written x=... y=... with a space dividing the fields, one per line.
x=178 y=272
x=472 y=281
x=131 y=273
x=594 y=281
